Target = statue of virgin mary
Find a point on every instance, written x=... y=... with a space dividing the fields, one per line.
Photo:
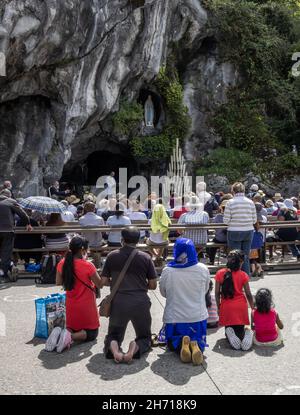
x=149 y=112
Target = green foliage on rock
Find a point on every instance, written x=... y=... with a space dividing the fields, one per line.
x=228 y=162
x=128 y=118
x=263 y=109
x=170 y=88
x=152 y=147
x=235 y=164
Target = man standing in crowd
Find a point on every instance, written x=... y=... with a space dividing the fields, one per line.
x=55 y=193
x=240 y=216
x=7 y=185
x=111 y=185
x=8 y=208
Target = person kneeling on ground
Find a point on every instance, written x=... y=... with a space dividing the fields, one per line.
x=131 y=302
x=184 y=283
x=231 y=283
x=266 y=321
x=78 y=278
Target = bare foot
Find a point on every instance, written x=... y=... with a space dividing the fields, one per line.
x=133 y=348
x=114 y=347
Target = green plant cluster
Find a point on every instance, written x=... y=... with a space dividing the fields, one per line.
x=152 y=147
x=235 y=164
x=178 y=120
x=229 y=162
x=128 y=118
x=263 y=109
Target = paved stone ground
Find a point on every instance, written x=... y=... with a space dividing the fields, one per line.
x=25 y=368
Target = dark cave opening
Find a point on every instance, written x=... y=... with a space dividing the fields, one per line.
x=97 y=164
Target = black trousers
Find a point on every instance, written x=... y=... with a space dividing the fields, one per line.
x=126 y=308
x=6 y=250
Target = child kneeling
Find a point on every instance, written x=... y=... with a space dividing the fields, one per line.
x=265 y=320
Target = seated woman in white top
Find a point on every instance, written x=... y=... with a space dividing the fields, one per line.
x=117 y=220
x=136 y=214
x=184 y=283
x=159 y=234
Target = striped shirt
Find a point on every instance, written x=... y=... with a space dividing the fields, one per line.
x=240 y=214
x=195 y=217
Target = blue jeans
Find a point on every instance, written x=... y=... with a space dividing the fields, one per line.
x=241 y=240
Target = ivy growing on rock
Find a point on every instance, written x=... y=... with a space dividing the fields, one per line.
x=263 y=111
x=127 y=120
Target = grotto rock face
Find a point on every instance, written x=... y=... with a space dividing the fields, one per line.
x=69 y=62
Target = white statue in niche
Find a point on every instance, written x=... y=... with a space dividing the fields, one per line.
x=149 y=112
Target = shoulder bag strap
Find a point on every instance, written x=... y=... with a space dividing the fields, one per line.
x=82 y=282
x=122 y=274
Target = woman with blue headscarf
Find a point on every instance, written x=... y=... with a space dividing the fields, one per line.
x=184 y=283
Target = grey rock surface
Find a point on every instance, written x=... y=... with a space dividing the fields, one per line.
x=70 y=62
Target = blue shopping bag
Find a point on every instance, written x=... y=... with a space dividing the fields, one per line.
x=257 y=241
x=50 y=312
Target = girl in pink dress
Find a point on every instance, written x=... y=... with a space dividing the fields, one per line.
x=265 y=320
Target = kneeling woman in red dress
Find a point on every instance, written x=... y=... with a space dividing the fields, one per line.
x=79 y=278
x=232 y=292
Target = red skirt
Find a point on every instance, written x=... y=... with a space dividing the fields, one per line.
x=234 y=312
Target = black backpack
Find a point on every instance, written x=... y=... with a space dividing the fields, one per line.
x=48 y=272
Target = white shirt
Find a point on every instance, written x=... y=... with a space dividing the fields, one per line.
x=185 y=290
x=72 y=209
x=115 y=236
x=91 y=219
x=67 y=216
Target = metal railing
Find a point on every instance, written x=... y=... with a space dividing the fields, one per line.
x=141 y=227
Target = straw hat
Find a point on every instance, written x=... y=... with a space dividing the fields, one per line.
x=89 y=197
x=277 y=196
x=224 y=203
x=73 y=199
x=261 y=193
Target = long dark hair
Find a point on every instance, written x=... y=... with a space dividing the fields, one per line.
x=119 y=210
x=77 y=243
x=234 y=260
x=264 y=300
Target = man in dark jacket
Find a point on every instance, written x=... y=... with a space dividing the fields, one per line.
x=55 y=193
x=8 y=208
